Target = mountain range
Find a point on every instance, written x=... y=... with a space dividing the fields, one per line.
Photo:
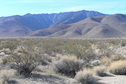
x=79 y=24
x=22 y=25
x=109 y=26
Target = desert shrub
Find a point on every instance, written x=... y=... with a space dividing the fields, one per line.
x=45 y=59
x=5 y=60
x=100 y=70
x=6 y=79
x=113 y=41
x=117 y=57
x=87 y=55
x=123 y=42
x=6 y=75
x=11 y=44
x=85 y=77
x=108 y=60
x=105 y=61
x=68 y=66
x=24 y=62
x=118 y=67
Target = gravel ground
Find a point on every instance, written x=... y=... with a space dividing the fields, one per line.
x=46 y=79
x=118 y=79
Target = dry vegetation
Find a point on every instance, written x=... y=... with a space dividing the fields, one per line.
x=60 y=61
x=118 y=67
x=68 y=66
x=85 y=76
x=100 y=71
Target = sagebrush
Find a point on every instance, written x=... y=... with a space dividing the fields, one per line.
x=68 y=66
x=85 y=77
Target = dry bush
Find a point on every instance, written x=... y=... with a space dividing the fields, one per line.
x=85 y=76
x=108 y=60
x=105 y=61
x=45 y=59
x=117 y=57
x=5 y=76
x=118 y=67
x=100 y=71
x=58 y=56
x=68 y=66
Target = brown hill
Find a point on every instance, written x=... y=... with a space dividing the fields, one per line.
x=110 y=26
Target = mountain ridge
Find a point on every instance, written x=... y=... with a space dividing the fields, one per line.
x=22 y=25
x=109 y=26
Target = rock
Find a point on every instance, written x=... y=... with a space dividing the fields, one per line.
x=2 y=53
x=96 y=62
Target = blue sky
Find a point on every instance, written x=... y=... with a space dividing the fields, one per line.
x=21 y=7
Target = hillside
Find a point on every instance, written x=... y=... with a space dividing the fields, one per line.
x=109 y=26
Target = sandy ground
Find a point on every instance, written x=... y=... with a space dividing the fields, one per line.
x=112 y=79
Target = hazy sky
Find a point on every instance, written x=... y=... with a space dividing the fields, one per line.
x=21 y=7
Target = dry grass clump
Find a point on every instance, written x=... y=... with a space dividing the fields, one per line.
x=85 y=76
x=100 y=71
x=117 y=57
x=68 y=66
x=105 y=61
x=118 y=67
x=5 y=76
x=114 y=57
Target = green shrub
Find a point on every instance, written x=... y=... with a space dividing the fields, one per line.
x=24 y=63
x=11 y=44
x=123 y=42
